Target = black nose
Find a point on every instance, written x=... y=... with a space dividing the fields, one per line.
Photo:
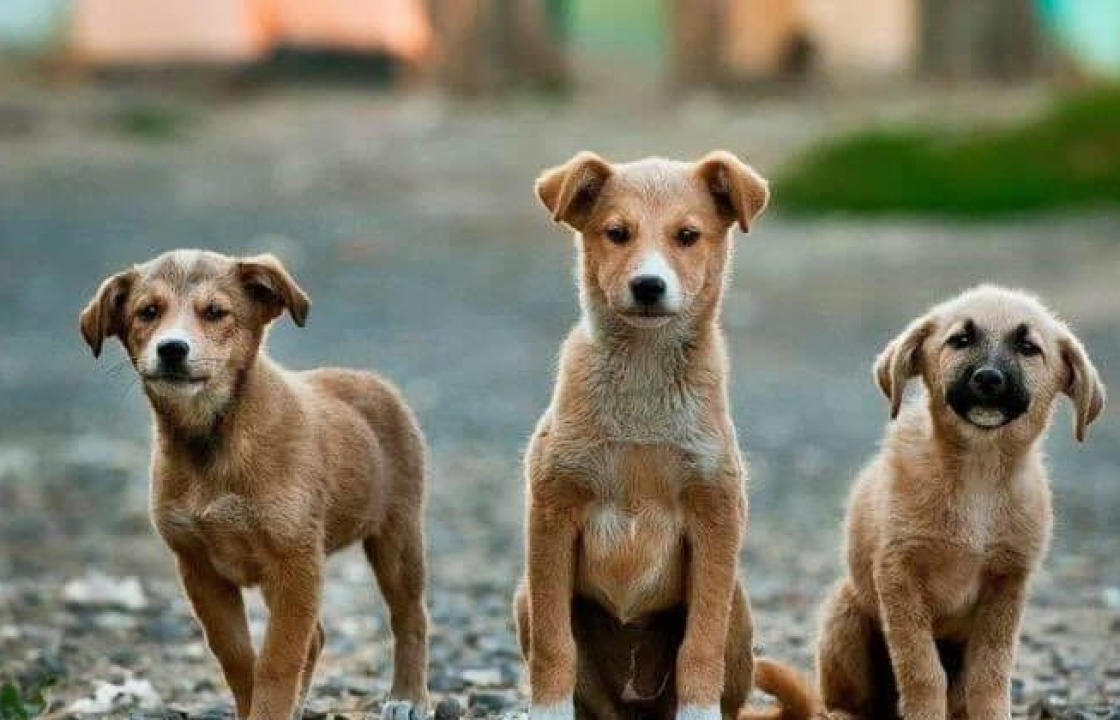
x=988 y=382
x=647 y=289
x=172 y=352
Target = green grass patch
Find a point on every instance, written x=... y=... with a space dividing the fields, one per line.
x=1070 y=158
x=22 y=703
x=151 y=122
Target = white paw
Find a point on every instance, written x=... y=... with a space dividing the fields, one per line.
x=698 y=712
x=563 y=710
x=400 y=710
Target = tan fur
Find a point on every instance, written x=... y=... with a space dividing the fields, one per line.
x=636 y=507
x=259 y=473
x=947 y=524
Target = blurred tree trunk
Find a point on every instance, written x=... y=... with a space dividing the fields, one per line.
x=699 y=34
x=981 y=38
x=487 y=46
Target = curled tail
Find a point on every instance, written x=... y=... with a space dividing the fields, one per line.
x=797 y=698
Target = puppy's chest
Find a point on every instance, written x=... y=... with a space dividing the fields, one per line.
x=236 y=534
x=631 y=554
x=981 y=536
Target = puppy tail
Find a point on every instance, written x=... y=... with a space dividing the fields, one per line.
x=797 y=698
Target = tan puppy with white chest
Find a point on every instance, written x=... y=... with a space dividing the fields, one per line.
x=949 y=521
x=258 y=473
x=632 y=604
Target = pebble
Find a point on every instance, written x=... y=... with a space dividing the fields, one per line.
x=488 y=702
x=96 y=590
x=448 y=709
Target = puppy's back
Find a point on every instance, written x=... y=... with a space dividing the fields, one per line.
x=383 y=408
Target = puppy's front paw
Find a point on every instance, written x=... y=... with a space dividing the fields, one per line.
x=563 y=710
x=400 y=710
x=698 y=712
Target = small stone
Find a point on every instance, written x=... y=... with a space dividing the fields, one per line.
x=488 y=703
x=110 y=696
x=448 y=709
x=483 y=677
x=101 y=591
x=441 y=682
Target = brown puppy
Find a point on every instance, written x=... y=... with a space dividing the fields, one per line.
x=951 y=518
x=258 y=473
x=632 y=604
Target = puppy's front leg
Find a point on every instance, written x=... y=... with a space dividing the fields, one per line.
x=715 y=515
x=220 y=609
x=990 y=651
x=908 y=628
x=552 y=647
x=292 y=588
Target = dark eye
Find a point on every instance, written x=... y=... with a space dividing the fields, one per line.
x=960 y=341
x=1027 y=348
x=148 y=312
x=687 y=236
x=213 y=313
x=618 y=234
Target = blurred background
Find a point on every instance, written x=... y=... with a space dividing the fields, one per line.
x=386 y=149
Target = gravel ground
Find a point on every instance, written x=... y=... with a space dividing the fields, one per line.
x=412 y=226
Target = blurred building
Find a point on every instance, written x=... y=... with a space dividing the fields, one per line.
x=491 y=45
x=132 y=32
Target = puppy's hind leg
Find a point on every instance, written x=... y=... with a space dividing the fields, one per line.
x=852 y=663
x=739 y=663
x=397 y=556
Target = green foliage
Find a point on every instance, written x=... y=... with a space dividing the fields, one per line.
x=150 y=121
x=1068 y=158
x=23 y=703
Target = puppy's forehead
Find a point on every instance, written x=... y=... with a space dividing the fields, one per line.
x=999 y=309
x=653 y=180
x=182 y=269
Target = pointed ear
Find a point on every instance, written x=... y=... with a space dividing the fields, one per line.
x=740 y=193
x=900 y=360
x=1083 y=385
x=569 y=191
x=267 y=282
x=103 y=317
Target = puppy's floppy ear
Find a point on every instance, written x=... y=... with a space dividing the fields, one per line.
x=1083 y=385
x=569 y=191
x=266 y=281
x=899 y=361
x=104 y=315
x=740 y=193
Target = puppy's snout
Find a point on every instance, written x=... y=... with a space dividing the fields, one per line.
x=648 y=289
x=173 y=352
x=988 y=382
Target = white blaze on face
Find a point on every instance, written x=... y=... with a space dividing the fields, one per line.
x=176 y=332
x=655 y=265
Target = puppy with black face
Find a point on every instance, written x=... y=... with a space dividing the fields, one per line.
x=258 y=473
x=949 y=521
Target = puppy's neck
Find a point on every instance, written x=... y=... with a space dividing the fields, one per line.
x=964 y=459
x=652 y=385
x=201 y=428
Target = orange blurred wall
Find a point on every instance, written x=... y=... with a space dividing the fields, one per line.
x=159 y=31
